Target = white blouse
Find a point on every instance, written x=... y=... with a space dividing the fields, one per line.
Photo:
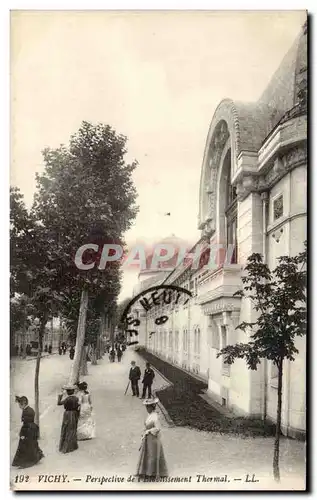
x=152 y=424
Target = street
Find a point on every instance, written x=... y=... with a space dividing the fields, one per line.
x=119 y=426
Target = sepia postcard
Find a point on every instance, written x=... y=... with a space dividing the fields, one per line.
x=158 y=220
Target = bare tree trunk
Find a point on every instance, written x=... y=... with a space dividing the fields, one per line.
x=101 y=334
x=74 y=376
x=60 y=337
x=94 y=355
x=98 y=348
x=37 y=371
x=276 y=467
x=98 y=354
x=24 y=330
x=52 y=333
x=83 y=364
x=111 y=327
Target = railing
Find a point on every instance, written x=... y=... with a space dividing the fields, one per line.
x=298 y=110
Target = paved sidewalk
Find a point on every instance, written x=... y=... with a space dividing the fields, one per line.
x=119 y=426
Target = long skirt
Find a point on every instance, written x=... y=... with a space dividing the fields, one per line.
x=152 y=461
x=86 y=424
x=68 y=440
x=28 y=452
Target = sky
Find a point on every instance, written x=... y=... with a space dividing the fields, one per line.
x=156 y=77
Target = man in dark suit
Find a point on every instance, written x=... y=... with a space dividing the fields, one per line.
x=148 y=380
x=134 y=377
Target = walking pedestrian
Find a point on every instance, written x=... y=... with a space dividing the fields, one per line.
x=86 y=423
x=119 y=354
x=60 y=350
x=112 y=355
x=147 y=381
x=134 y=376
x=28 y=452
x=72 y=352
x=68 y=439
x=152 y=463
x=50 y=348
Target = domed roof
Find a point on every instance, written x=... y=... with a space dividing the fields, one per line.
x=177 y=243
x=249 y=124
x=252 y=122
x=281 y=94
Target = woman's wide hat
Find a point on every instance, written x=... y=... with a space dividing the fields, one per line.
x=69 y=387
x=150 y=401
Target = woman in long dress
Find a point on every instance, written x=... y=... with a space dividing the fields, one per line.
x=68 y=439
x=28 y=452
x=86 y=423
x=152 y=462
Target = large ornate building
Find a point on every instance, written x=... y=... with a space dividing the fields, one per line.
x=252 y=196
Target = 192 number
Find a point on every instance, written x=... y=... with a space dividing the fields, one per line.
x=21 y=478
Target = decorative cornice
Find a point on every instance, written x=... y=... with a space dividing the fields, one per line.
x=282 y=165
x=247 y=185
x=291 y=159
x=225 y=304
x=286 y=135
x=247 y=164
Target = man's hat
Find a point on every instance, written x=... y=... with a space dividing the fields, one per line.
x=150 y=401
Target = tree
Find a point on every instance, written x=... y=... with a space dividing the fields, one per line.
x=279 y=298
x=22 y=227
x=105 y=306
x=33 y=271
x=20 y=311
x=120 y=309
x=86 y=195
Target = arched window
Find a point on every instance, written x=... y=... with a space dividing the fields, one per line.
x=170 y=341
x=231 y=220
x=185 y=340
x=197 y=340
x=176 y=340
x=160 y=340
x=215 y=337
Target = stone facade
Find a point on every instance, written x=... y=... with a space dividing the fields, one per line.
x=258 y=152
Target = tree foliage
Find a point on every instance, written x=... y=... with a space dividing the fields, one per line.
x=279 y=297
x=86 y=195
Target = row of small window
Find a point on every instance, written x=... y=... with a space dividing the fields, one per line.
x=161 y=338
